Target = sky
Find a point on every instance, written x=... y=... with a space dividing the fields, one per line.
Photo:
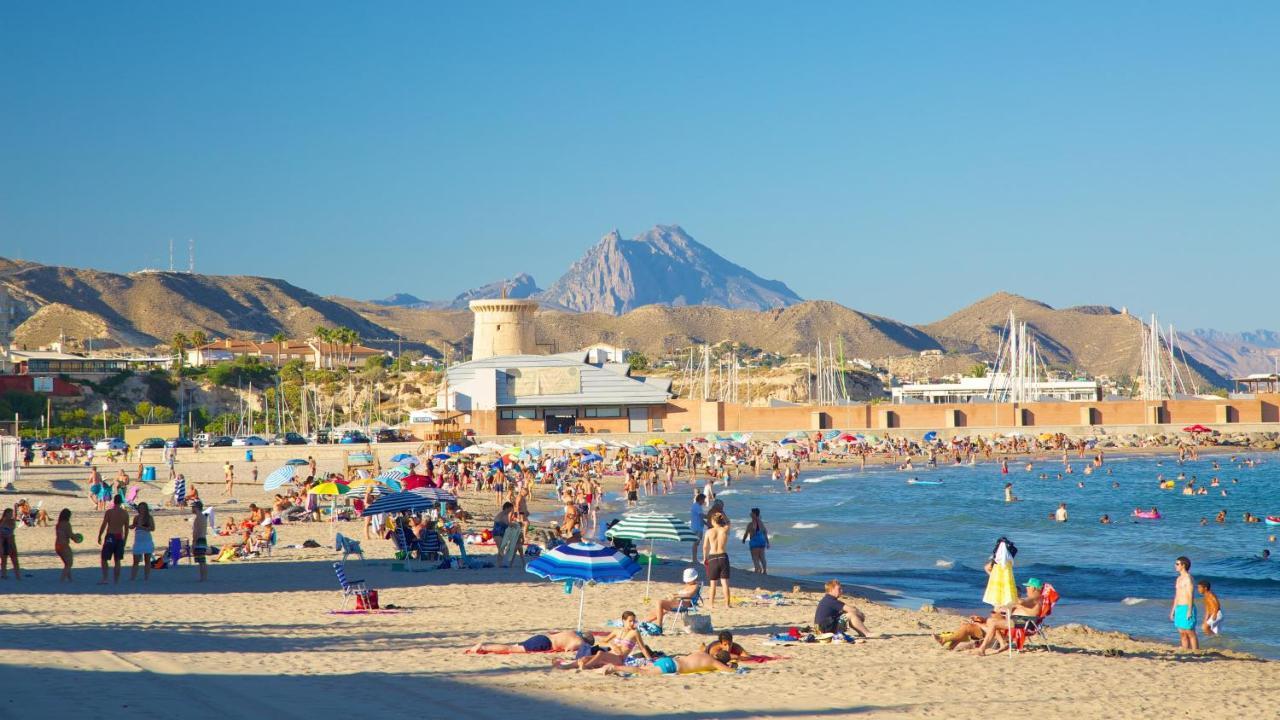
x=903 y=159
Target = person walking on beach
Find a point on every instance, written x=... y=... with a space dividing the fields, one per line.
x=63 y=536
x=698 y=521
x=717 y=559
x=229 y=477
x=757 y=538
x=112 y=534
x=200 y=539
x=1212 y=609
x=1183 y=612
x=143 y=545
x=8 y=546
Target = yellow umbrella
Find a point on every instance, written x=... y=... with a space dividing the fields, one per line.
x=362 y=483
x=657 y=441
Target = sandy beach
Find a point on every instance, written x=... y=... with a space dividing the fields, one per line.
x=259 y=638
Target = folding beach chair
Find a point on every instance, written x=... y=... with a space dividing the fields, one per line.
x=690 y=616
x=350 y=588
x=407 y=544
x=1026 y=628
x=431 y=548
x=347 y=546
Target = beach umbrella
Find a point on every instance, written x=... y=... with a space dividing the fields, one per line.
x=656 y=441
x=398 y=502
x=279 y=477
x=651 y=527
x=453 y=448
x=363 y=483
x=475 y=450
x=401 y=457
x=435 y=494
x=410 y=461
x=440 y=456
x=331 y=488
x=787 y=441
x=582 y=563
x=1002 y=589
x=831 y=435
x=648 y=450
x=931 y=436
x=591 y=457
x=296 y=461
x=395 y=474
x=1197 y=428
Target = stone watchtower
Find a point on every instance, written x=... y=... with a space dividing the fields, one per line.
x=504 y=326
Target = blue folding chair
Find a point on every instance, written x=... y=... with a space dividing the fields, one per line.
x=350 y=588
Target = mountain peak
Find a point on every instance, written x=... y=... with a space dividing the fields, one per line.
x=663 y=265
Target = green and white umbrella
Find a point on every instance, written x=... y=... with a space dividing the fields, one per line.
x=652 y=527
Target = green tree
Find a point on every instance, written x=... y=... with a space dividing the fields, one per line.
x=178 y=343
x=638 y=361
x=278 y=339
x=198 y=338
x=978 y=370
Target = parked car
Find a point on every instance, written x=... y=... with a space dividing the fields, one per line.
x=290 y=438
x=221 y=441
x=248 y=441
x=180 y=443
x=388 y=436
x=109 y=444
x=51 y=444
x=77 y=444
x=152 y=443
x=353 y=437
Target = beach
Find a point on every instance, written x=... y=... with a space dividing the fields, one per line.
x=259 y=638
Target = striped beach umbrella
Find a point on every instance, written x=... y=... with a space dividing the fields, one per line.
x=401 y=456
x=581 y=563
x=279 y=477
x=652 y=527
x=296 y=461
x=398 y=502
x=436 y=494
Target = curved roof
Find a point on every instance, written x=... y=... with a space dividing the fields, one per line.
x=598 y=386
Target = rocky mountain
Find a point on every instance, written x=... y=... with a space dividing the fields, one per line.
x=663 y=266
x=144 y=309
x=1235 y=354
x=520 y=286
x=1097 y=339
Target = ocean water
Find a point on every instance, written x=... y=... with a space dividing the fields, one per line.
x=927 y=543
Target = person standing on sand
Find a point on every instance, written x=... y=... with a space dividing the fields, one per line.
x=717 y=559
x=143 y=545
x=200 y=539
x=698 y=521
x=229 y=477
x=8 y=546
x=115 y=525
x=758 y=538
x=1183 y=612
x=63 y=536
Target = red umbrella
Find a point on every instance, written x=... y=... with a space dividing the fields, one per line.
x=1196 y=429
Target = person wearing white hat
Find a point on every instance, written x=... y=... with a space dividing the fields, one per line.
x=686 y=597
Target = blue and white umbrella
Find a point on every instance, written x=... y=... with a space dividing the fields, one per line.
x=402 y=456
x=454 y=448
x=931 y=436
x=582 y=563
x=436 y=494
x=591 y=457
x=279 y=477
x=440 y=456
x=409 y=461
x=398 y=502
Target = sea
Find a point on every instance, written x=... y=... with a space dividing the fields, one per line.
x=923 y=543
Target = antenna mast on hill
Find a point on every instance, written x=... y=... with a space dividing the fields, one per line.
x=191 y=256
x=170 y=254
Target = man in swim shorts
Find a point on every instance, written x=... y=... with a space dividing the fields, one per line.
x=1183 y=612
x=200 y=539
x=695 y=662
x=561 y=641
x=115 y=525
x=717 y=560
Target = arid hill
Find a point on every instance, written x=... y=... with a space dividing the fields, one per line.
x=1097 y=339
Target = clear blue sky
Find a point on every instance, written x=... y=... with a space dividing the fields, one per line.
x=899 y=158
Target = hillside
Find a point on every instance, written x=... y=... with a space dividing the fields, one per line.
x=1100 y=340
x=147 y=308
x=664 y=265
x=1235 y=354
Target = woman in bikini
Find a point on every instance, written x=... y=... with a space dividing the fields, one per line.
x=620 y=643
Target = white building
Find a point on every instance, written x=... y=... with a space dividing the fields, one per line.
x=987 y=389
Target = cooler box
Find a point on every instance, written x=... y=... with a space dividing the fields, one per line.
x=248 y=456
x=149 y=473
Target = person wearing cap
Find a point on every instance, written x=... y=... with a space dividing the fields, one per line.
x=1027 y=607
x=978 y=628
x=682 y=598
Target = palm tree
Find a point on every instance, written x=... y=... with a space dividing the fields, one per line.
x=278 y=339
x=198 y=338
x=178 y=343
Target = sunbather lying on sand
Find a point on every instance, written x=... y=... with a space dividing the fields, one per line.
x=559 y=641
x=615 y=649
x=695 y=662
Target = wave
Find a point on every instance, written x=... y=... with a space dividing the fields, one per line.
x=945 y=564
x=804 y=526
x=727 y=491
x=1133 y=601
x=820 y=478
